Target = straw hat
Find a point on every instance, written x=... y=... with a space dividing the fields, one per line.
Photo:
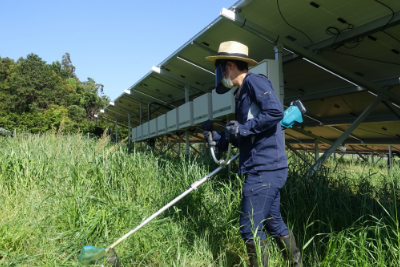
x=233 y=50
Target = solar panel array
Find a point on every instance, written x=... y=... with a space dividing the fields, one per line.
x=366 y=44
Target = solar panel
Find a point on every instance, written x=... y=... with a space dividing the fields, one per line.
x=362 y=48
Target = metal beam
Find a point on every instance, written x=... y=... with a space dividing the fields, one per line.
x=395 y=110
x=340 y=91
x=111 y=103
x=133 y=93
x=212 y=52
x=195 y=149
x=348 y=120
x=306 y=54
x=359 y=31
x=178 y=79
x=138 y=103
x=372 y=150
x=343 y=137
x=177 y=141
x=319 y=138
x=112 y=118
x=298 y=154
x=350 y=141
x=129 y=92
x=361 y=156
x=123 y=116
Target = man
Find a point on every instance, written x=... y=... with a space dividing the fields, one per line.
x=257 y=133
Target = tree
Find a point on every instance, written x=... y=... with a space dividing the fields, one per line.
x=37 y=96
x=91 y=100
x=34 y=87
x=67 y=65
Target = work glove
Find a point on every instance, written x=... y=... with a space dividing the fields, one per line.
x=232 y=131
x=208 y=130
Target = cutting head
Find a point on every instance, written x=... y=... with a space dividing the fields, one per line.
x=90 y=254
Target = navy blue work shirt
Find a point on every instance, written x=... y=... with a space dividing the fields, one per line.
x=261 y=141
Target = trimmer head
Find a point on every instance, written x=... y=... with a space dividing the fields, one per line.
x=89 y=254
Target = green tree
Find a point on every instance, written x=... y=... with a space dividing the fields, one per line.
x=91 y=100
x=36 y=96
x=67 y=65
x=34 y=87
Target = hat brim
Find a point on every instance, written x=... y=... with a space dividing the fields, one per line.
x=249 y=61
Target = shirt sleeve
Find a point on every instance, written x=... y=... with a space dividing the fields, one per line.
x=271 y=110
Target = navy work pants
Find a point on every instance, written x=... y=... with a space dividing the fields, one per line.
x=261 y=204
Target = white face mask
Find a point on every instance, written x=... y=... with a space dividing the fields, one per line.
x=227 y=81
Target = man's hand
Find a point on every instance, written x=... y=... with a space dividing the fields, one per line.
x=232 y=130
x=210 y=134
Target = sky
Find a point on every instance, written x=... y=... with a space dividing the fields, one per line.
x=114 y=42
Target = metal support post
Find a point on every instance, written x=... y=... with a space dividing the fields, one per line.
x=278 y=56
x=140 y=113
x=129 y=129
x=187 y=144
x=187 y=132
x=116 y=131
x=204 y=151
x=372 y=158
x=390 y=158
x=15 y=132
x=87 y=136
x=316 y=151
x=343 y=137
x=187 y=94
x=334 y=156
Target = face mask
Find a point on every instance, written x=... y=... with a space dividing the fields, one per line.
x=227 y=81
x=222 y=84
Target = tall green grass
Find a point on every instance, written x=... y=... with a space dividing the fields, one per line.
x=59 y=193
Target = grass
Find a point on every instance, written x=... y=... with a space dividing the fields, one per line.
x=59 y=193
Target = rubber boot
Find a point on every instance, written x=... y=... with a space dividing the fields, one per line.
x=252 y=252
x=287 y=244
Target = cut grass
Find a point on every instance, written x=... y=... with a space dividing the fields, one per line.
x=59 y=193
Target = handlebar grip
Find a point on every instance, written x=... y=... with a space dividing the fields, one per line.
x=211 y=142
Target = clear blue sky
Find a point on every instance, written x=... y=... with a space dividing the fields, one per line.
x=114 y=42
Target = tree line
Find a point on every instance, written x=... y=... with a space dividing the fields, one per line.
x=36 y=97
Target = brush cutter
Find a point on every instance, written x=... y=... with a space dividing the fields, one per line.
x=91 y=254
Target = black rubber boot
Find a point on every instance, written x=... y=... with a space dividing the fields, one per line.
x=252 y=252
x=287 y=244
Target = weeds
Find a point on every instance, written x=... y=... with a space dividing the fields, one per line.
x=61 y=192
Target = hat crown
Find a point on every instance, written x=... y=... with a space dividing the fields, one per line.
x=232 y=47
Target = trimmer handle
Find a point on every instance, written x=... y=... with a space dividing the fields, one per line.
x=207 y=126
x=210 y=140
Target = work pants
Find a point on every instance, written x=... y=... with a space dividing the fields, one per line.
x=261 y=205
